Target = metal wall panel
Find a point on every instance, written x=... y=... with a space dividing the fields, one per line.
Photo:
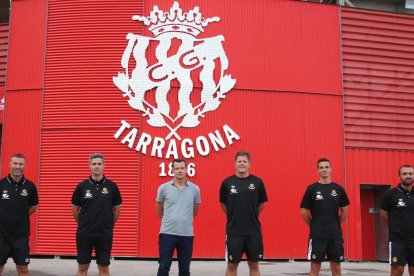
x=82 y=110
x=378 y=97
x=85 y=43
x=378 y=62
x=23 y=52
x=4 y=46
x=27 y=44
x=285 y=141
x=275 y=53
x=21 y=133
x=275 y=45
x=80 y=105
x=63 y=164
x=366 y=166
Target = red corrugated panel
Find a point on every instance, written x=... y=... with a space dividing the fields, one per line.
x=27 y=44
x=275 y=45
x=64 y=163
x=81 y=108
x=378 y=87
x=21 y=133
x=86 y=40
x=283 y=139
x=368 y=167
x=4 y=42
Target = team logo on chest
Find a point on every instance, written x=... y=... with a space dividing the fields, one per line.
x=105 y=190
x=233 y=190
x=24 y=192
x=252 y=187
x=333 y=193
x=319 y=196
x=5 y=195
x=88 y=194
x=401 y=203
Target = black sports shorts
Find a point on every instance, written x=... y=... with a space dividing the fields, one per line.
x=332 y=249
x=401 y=254
x=236 y=245
x=17 y=248
x=102 y=246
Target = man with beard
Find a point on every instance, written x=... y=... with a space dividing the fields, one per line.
x=18 y=201
x=320 y=209
x=397 y=210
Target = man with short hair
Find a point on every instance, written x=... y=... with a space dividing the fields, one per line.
x=320 y=208
x=96 y=205
x=242 y=198
x=177 y=203
x=18 y=201
x=397 y=210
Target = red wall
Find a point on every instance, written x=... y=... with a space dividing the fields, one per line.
x=364 y=166
x=26 y=53
x=23 y=94
x=378 y=100
x=276 y=45
x=4 y=44
x=285 y=145
x=378 y=83
x=286 y=107
x=81 y=113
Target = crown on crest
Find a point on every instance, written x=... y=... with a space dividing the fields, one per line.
x=161 y=22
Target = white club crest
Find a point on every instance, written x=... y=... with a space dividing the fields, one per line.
x=193 y=55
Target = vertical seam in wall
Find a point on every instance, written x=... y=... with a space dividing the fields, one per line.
x=343 y=118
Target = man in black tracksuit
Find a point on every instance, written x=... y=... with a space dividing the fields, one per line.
x=18 y=200
x=96 y=205
x=397 y=210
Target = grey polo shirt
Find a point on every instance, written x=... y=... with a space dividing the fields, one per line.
x=178 y=208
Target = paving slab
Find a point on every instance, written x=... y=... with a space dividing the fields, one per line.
x=122 y=267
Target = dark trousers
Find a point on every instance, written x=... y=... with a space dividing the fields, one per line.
x=184 y=245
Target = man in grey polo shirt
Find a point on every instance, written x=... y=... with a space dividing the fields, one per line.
x=178 y=202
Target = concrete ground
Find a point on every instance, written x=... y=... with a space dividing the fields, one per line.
x=121 y=267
